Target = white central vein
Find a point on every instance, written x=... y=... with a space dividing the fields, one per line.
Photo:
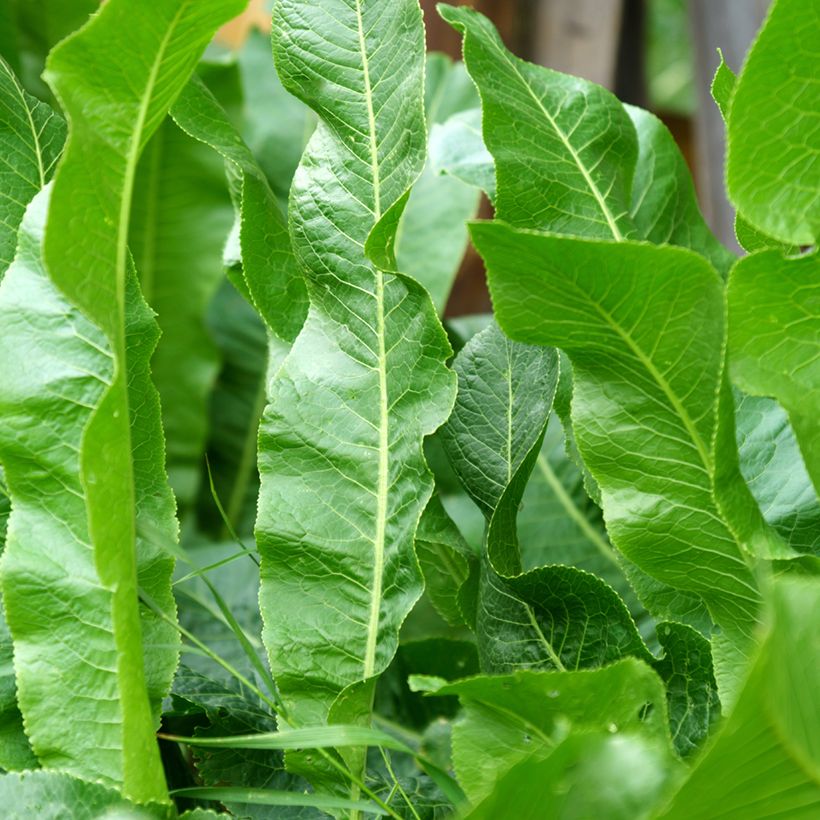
x=381 y=490
x=599 y=198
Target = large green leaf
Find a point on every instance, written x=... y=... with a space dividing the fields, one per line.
x=343 y=476
x=510 y=717
x=766 y=760
x=772 y=171
x=181 y=216
x=774 y=347
x=649 y=393
x=432 y=235
x=115 y=80
x=270 y=270
x=444 y=558
x=504 y=400
x=554 y=161
x=31 y=139
x=66 y=637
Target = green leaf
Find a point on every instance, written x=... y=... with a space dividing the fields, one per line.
x=664 y=206
x=774 y=308
x=31 y=139
x=266 y=797
x=691 y=691
x=504 y=399
x=551 y=617
x=343 y=476
x=772 y=135
x=180 y=218
x=555 y=161
x=765 y=762
x=723 y=86
x=94 y=661
x=507 y=718
x=277 y=141
x=438 y=657
x=457 y=148
x=749 y=238
x=320 y=737
x=649 y=393
x=592 y=774
x=558 y=523
x=55 y=794
x=771 y=463
x=432 y=235
x=39 y=27
x=444 y=558
x=271 y=272
x=232 y=710
x=15 y=751
x=116 y=79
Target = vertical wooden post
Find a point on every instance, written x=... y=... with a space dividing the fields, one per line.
x=579 y=37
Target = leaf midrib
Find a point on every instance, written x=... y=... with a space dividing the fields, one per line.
x=608 y=215
x=37 y=147
x=384 y=420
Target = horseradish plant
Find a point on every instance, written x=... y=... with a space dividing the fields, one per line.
x=569 y=572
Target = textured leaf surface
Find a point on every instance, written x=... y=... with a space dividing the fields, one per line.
x=343 y=477
x=568 y=160
x=54 y=796
x=766 y=760
x=649 y=394
x=181 y=216
x=504 y=399
x=31 y=138
x=774 y=339
x=116 y=79
x=59 y=607
x=773 y=157
x=510 y=717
